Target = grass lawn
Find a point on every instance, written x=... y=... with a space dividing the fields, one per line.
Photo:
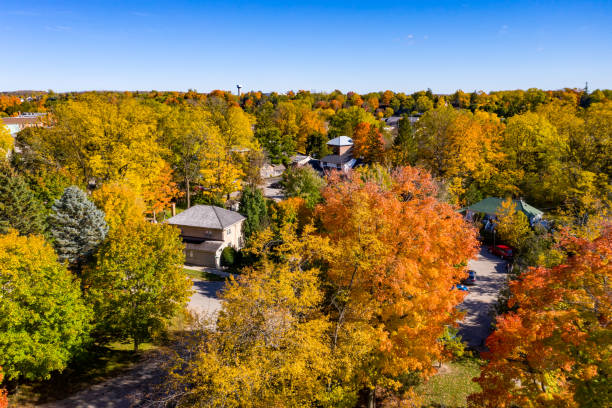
x=450 y=388
x=95 y=366
x=203 y=275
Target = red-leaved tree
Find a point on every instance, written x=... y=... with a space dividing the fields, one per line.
x=555 y=349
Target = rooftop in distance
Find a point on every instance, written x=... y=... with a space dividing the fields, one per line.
x=341 y=141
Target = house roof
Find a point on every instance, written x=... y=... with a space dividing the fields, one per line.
x=20 y=120
x=206 y=216
x=205 y=246
x=490 y=205
x=341 y=141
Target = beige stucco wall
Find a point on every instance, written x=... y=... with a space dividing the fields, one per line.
x=233 y=235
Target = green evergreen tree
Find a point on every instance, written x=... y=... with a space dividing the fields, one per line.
x=19 y=208
x=405 y=146
x=253 y=207
x=77 y=226
x=316 y=145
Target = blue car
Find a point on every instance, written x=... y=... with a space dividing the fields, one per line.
x=471 y=279
x=462 y=287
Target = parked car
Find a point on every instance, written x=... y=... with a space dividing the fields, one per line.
x=503 y=251
x=462 y=287
x=471 y=279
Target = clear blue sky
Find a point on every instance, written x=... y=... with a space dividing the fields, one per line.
x=316 y=45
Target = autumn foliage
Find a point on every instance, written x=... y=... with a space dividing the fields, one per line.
x=554 y=349
x=3 y=397
x=396 y=254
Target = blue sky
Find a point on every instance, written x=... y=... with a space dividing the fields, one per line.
x=316 y=45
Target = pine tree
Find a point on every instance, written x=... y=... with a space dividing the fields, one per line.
x=19 y=208
x=77 y=226
x=253 y=207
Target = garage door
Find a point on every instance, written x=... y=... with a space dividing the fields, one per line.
x=201 y=258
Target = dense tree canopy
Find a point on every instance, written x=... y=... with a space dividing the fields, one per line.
x=43 y=318
x=396 y=253
x=137 y=284
x=303 y=182
x=19 y=208
x=553 y=348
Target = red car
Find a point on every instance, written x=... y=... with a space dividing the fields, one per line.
x=503 y=251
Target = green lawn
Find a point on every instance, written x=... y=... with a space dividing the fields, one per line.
x=450 y=388
x=203 y=275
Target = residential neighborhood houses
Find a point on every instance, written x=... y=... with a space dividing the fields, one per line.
x=287 y=227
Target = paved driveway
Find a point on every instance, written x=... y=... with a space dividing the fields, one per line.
x=276 y=194
x=204 y=298
x=491 y=278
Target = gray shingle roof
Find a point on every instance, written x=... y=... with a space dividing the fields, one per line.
x=206 y=246
x=341 y=141
x=206 y=216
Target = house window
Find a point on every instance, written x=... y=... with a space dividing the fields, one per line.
x=228 y=231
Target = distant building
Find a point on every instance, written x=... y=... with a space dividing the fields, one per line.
x=342 y=156
x=16 y=124
x=271 y=170
x=206 y=230
x=300 y=160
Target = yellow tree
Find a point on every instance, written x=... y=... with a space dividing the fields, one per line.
x=269 y=347
x=120 y=204
x=105 y=140
x=6 y=142
x=512 y=225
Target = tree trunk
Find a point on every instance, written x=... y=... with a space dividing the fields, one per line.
x=372 y=398
x=188 y=194
x=136 y=344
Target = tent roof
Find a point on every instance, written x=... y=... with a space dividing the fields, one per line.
x=490 y=205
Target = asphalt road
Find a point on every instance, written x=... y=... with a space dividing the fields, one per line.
x=478 y=304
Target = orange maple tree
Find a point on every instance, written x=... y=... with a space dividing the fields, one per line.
x=368 y=142
x=396 y=253
x=555 y=349
x=3 y=397
x=162 y=189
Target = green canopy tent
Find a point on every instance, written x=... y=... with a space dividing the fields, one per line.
x=490 y=205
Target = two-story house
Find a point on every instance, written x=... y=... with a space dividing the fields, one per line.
x=342 y=154
x=206 y=230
